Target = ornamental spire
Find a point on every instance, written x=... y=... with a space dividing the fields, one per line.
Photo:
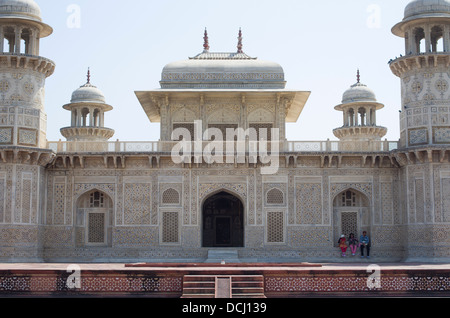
x=240 y=42
x=358 y=77
x=206 y=42
x=88 y=76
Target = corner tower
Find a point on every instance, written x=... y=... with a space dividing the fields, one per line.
x=423 y=156
x=424 y=73
x=23 y=126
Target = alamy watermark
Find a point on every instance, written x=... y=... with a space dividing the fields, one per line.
x=374 y=279
x=238 y=146
x=74 y=19
x=74 y=279
x=374 y=18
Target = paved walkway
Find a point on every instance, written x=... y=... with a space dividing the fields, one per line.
x=255 y=266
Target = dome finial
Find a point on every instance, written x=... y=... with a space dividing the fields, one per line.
x=206 y=42
x=240 y=42
x=89 y=76
x=358 y=77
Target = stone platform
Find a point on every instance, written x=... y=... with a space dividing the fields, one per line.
x=253 y=280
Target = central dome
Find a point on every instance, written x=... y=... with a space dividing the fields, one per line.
x=223 y=70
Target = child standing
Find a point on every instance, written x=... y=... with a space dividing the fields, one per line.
x=343 y=245
x=353 y=243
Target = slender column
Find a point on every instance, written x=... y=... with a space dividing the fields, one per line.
x=102 y=119
x=446 y=38
x=427 y=39
x=78 y=120
x=32 y=44
x=91 y=118
x=37 y=43
x=74 y=119
x=18 y=33
x=412 y=42
x=368 y=117
x=2 y=39
x=407 y=42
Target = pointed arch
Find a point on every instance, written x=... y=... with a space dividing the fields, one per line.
x=223 y=220
x=351 y=213
x=260 y=115
x=171 y=196
x=275 y=196
x=94 y=218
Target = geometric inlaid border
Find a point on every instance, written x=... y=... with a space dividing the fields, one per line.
x=27 y=137
x=6 y=135
x=441 y=135
x=418 y=136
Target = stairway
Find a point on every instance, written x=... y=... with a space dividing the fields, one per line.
x=215 y=286
x=219 y=255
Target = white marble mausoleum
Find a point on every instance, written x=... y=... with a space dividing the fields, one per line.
x=92 y=199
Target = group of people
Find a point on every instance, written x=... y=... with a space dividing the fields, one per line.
x=363 y=243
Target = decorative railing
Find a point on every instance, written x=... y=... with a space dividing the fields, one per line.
x=226 y=147
x=341 y=146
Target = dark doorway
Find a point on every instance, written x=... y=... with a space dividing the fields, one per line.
x=223 y=221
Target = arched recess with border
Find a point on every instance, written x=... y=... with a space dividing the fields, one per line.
x=351 y=214
x=223 y=219
x=94 y=219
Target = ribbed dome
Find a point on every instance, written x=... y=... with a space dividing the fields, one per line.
x=427 y=8
x=358 y=93
x=88 y=93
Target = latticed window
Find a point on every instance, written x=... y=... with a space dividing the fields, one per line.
x=223 y=128
x=349 y=223
x=349 y=198
x=188 y=128
x=261 y=130
x=171 y=196
x=96 y=228
x=275 y=196
x=170 y=227
x=96 y=200
x=275 y=227
x=94 y=215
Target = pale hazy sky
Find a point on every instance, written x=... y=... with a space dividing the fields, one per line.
x=320 y=45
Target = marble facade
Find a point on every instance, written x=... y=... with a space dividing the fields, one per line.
x=91 y=200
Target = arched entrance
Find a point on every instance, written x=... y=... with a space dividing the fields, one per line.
x=351 y=214
x=223 y=221
x=94 y=219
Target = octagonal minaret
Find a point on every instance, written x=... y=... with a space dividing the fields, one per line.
x=424 y=71
x=88 y=107
x=23 y=130
x=23 y=121
x=359 y=106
